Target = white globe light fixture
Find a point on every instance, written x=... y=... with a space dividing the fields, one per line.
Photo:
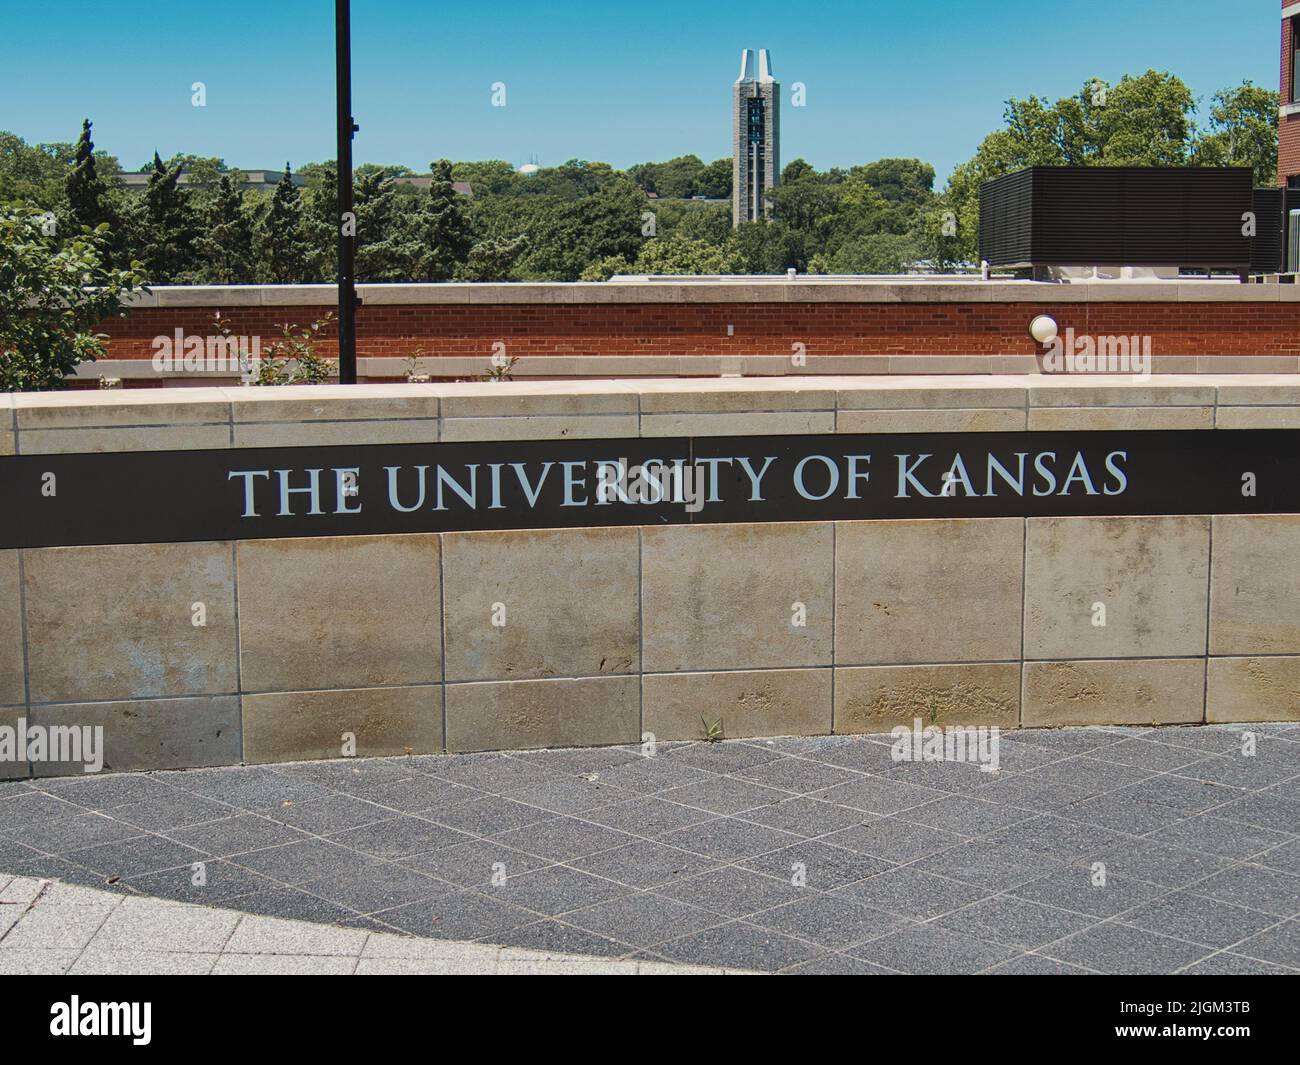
x=1044 y=329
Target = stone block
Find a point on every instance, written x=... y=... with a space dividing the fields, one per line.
x=753 y=423
x=12 y=688
x=1116 y=587
x=1255 y=585
x=733 y=596
x=122 y=622
x=944 y=590
x=302 y=726
x=149 y=734
x=769 y=702
x=876 y=699
x=1253 y=689
x=988 y=420
x=543 y=713
x=1067 y=419
x=1114 y=692
x=532 y=604
x=339 y=611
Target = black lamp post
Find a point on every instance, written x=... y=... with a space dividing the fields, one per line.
x=347 y=217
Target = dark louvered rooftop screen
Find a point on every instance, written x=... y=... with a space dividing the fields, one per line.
x=1117 y=216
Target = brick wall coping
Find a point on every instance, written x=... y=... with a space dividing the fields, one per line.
x=552 y=402
x=722 y=290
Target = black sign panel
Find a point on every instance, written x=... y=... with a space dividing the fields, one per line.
x=176 y=496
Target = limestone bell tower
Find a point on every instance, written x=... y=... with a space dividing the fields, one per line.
x=756 y=136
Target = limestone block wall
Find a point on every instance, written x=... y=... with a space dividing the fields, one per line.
x=608 y=633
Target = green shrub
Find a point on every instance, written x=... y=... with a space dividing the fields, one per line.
x=52 y=295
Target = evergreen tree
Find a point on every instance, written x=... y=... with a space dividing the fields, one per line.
x=321 y=220
x=225 y=247
x=165 y=227
x=492 y=260
x=87 y=192
x=283 y=250
x=387 y=241
x=446 y=229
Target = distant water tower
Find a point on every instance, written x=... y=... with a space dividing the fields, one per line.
x=756 y=139
x=529 y=168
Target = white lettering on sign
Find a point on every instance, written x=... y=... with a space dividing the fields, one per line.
x=715 y=479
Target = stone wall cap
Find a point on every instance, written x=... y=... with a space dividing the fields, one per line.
x=803 y=288
x=120 y=407
x=311 y=402
x=131 y=397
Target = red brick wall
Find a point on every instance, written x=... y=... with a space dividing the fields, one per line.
x=1288 y=156
x=1253 y=328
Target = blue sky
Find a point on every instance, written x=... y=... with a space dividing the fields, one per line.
x=620 y=82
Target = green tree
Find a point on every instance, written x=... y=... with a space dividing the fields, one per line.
x=613 y=220
x=715 y=181
x=225 y=244
x=572 y=180
x=445 y=231
x=710 y=222
x=767 y=247
x=493 y=260
x=677 y=179
x=163 y=226
x=87 y=192
x=321 y=221
x=33 y=175
x=493 y=177
x=554 y=233
x=937 y=239
x=1242 y=131
x=905 y=182
x=604 y=269
x=388 y=246
x=866 y=207
x=797 y=170
x=838 y=220
x=1146 y=120
x=282 y=247
x=52 y=295
x=680 y=254
x=807 y=206
x=567 y=235
x=873 y=253
x=201 y=171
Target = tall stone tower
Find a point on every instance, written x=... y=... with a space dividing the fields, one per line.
x=756 y=137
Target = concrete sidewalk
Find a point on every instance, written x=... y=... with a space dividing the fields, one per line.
x=51 y=928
